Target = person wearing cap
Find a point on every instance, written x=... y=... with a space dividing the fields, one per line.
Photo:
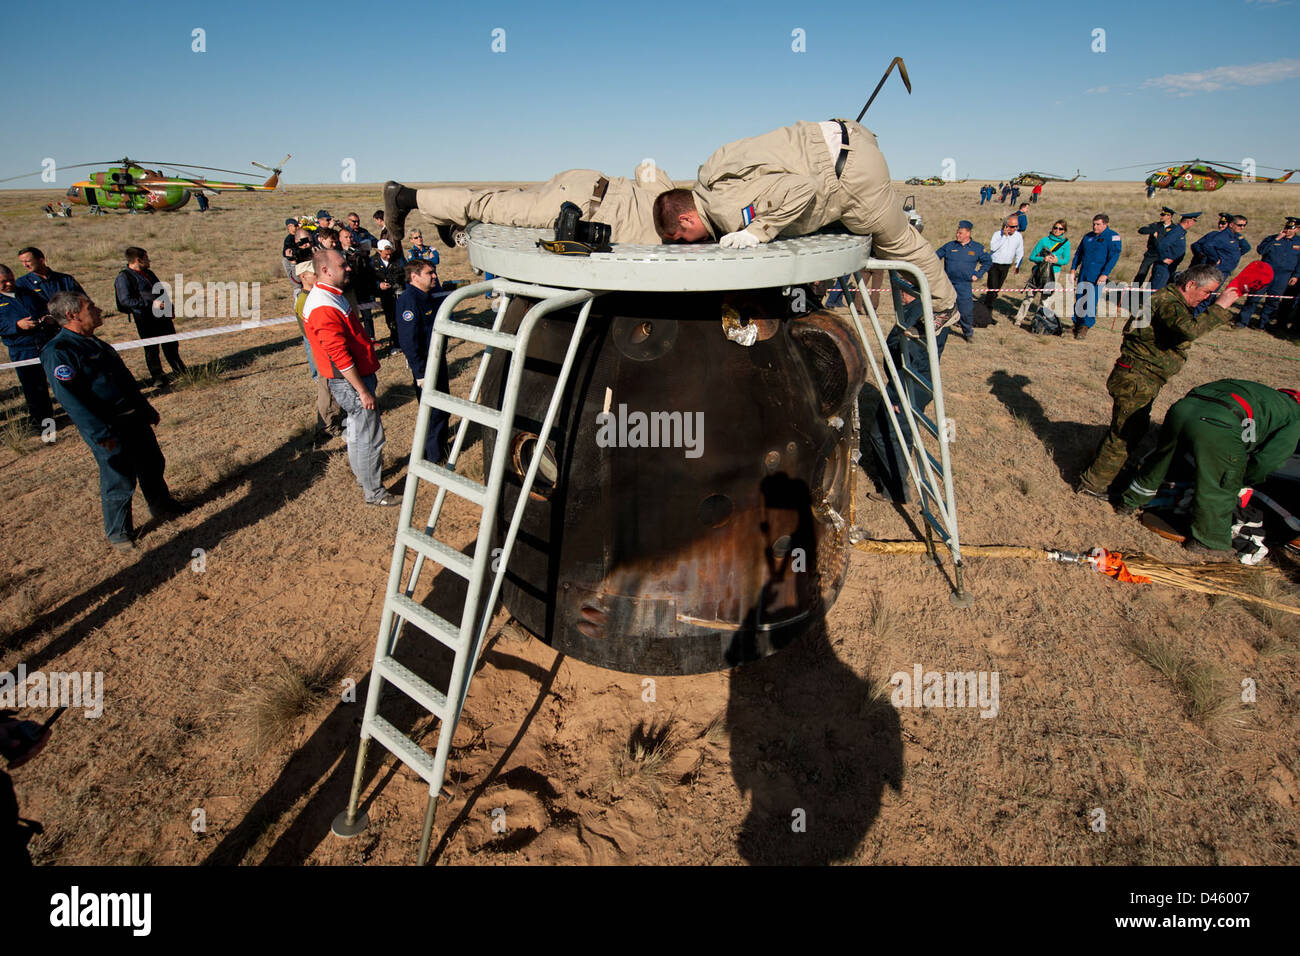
x=1153 y=351
x=389 y=270
x=1282 y=252
x=794 y=181
x=1222 y=248
x=1238 y=432
x=1096 y=256
x=324 y=220
x=1154 y=232
x=964 y=261
x=625 y=205
x=346 y=356
x=329 y=415
x=1171 y=249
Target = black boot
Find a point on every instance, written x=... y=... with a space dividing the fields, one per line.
x=398 y=201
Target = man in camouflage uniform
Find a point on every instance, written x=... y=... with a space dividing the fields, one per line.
x=1153 y=352
x=1239 y=432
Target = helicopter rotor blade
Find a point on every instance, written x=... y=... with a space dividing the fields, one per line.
x=214 y=169
x=277 y=167
x=57 y=168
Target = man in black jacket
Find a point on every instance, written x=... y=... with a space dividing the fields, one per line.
x=1154 y=232
x=362 y=287
x=140 y=295
x=389 y=271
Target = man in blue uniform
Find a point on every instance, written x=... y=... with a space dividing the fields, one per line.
x=1093 y=261
x=103 y=400
x=1282 y=252
x=1222 y=248
x=1170 y=251
x=1154 y=232
x=416 y=308
x=24 y=329
x=964 y=262
x=41 y=279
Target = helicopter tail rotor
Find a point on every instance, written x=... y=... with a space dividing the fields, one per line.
x=273 y=170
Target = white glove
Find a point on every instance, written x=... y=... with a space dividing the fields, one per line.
x=739 y=240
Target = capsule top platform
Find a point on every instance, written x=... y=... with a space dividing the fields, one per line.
x=512 y=252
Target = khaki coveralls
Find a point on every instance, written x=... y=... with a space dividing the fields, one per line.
x=627 y=205
x=783 y=183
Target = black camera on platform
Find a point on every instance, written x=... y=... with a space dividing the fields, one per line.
x=570 y=225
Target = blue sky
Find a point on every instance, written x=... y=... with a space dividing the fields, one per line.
x=414 y=90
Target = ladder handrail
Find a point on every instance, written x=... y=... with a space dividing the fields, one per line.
x=945 y=502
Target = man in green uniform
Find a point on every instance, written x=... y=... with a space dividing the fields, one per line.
x=1153 y=351
x=1239 y=432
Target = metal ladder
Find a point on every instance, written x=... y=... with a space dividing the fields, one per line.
x=931 y=476
x=464 y=639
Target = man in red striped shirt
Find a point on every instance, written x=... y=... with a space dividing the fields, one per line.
x=346 y=357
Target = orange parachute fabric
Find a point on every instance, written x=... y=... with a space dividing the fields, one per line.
x=1111 y=564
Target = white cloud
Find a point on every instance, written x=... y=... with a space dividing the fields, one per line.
x=1226 y=77
x=1098 y=89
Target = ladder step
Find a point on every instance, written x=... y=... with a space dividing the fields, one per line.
x=436 y=626
x=472 y=333
x=466 y=488
x=431 y=547
x=475 y=412
x=413 y=686
x=403 y=747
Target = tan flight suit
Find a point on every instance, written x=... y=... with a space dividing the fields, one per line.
x=788 y=178
x=627 y=206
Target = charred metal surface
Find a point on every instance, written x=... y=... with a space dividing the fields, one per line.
x=719 y=548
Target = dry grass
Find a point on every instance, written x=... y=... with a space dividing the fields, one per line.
x=642 y=760
x=1208 y=696
x=15 y=435
x=288 y=691
x=204 y=375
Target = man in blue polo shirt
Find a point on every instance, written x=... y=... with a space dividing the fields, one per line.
x=1093 y=261
x=416 y=308
x=24 y=330
x=41 y=279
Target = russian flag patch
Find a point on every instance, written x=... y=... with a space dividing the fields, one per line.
x=746 y=215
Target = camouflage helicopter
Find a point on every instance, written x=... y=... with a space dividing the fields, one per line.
x=130 y=185
x=1032 y=178
x=927 y=181
x=1204 y=175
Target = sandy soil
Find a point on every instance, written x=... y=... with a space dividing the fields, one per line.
x=573 y=763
